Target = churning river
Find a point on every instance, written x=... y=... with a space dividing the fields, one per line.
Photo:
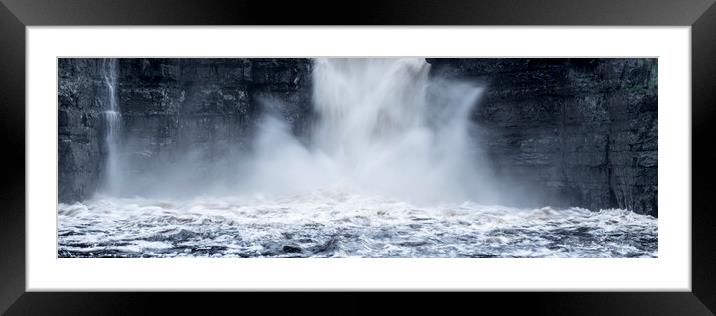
x=334 y=224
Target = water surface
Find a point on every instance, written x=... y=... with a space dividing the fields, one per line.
x=330 y=224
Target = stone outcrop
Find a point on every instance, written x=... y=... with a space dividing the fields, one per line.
x=571 y=132
x=80 y=100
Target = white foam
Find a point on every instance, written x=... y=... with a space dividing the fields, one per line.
x=376 y=226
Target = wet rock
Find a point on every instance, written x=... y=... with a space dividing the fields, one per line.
x=291 y=249
x=79 y=146
x=569 y=132
x=170 y=108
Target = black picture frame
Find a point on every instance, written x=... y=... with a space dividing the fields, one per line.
x=15 y=15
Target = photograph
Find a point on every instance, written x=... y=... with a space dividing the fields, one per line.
x=221 y=153
x=368 y=157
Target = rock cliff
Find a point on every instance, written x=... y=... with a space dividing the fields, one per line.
x=572 y=132
x=81 y=100
x=580 y=132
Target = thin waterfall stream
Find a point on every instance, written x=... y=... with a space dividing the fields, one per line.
x=113 y=122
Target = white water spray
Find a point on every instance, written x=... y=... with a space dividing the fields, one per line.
x=383 y=127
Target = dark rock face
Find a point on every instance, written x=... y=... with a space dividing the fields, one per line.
x=574 y=132
x=571 y=132
x=80 y=90
x=171 y=110
x=193 y=110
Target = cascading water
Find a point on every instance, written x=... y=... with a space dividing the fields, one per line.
x=112 y=119
x=391 y=168
x=383 y=127
x=375 y=125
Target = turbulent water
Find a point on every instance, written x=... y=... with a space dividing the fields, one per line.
x=390 y=169
x=334 y=224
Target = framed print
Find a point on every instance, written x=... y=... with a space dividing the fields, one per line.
x=467 y=147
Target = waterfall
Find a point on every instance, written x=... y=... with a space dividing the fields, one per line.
x=384 y=126
x=112 y=119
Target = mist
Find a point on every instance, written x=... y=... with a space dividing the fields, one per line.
x=380 y=126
